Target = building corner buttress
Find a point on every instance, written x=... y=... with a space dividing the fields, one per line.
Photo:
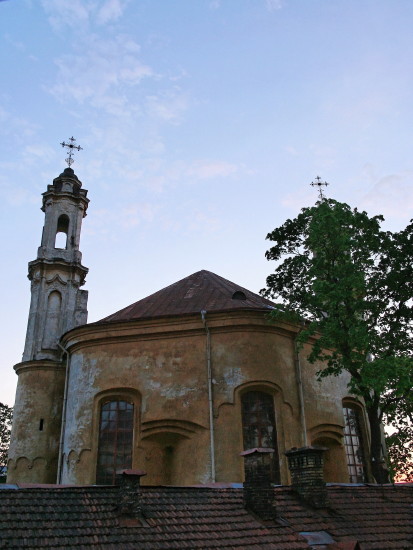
x=57 y=305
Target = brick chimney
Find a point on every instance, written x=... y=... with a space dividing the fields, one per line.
x=307 y=476
x=130 y=492
x=258 y=491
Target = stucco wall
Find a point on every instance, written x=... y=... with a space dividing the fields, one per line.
x=34 y=446
x=161 y=365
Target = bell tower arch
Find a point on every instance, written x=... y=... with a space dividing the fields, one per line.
x=57 y=305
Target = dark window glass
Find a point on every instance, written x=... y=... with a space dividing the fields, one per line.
x=258 y=425
x=353 y=443
x=115 y=440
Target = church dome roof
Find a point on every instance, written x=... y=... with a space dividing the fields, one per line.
x=202 y=290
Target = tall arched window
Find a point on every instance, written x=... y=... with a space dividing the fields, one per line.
x=115 y=440
x=353 y=443
x=258 y=426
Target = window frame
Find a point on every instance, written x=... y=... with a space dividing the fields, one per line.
x=260 y=423
x=129 y=395
x=355 y=443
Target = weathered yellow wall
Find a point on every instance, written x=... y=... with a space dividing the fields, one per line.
x=161 y=366
x=33 y=454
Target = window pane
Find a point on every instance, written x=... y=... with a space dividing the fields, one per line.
x=115 y=440
x=258 y=421
x=353 y=442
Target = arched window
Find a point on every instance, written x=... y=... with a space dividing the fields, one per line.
x=62 y=231
x=115 y=439
x=354 y=443
x=258 y=426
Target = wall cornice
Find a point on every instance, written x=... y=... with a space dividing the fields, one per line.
x=172 y=327
x=41 y=364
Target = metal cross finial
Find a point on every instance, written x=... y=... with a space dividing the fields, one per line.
x=320 y=184
x=71 y=146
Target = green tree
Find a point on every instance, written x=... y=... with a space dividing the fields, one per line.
x=6 y=414
x=351 y=283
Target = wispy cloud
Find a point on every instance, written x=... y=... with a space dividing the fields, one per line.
x=16 y=126
x=204 y=223
x=134 y=214
x=202 y=170
x=392 y=196
x=124 y=217
x=168 y=106
x=63 y=14
x=298 y=199
x=109 y=74
x=103 y=75
x=38 y=151
x=111 y=10
x=17 y=44
x=324 y=156
x=291 y=150
x=274 y=5
x=78 y=13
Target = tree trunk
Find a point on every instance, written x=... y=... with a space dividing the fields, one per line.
x=377 y=462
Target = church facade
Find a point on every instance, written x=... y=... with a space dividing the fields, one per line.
x=177 y=384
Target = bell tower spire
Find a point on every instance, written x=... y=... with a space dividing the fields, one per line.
x=56 y=275
x=57 y=305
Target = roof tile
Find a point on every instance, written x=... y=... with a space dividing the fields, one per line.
x=378 y=517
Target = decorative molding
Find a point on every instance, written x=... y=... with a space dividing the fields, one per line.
x=258 y=385
x=326 y=431
x=74 y=456
x=181 y=427
x=57 y=278
x=40 y=364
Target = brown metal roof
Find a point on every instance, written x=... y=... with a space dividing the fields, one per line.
x=202 y=290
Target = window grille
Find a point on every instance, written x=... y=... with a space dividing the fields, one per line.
x=258 y=425
x=115 y=440
x=353 y=442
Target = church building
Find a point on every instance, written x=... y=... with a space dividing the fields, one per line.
x=178 y=384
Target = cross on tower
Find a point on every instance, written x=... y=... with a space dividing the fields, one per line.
x=320 y=184
x=71 y=146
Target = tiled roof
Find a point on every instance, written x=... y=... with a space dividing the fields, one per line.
x=174 y=518
x=200 y=291
x=378 y=517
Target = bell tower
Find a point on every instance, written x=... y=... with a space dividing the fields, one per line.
x=57 y=305
x=57 y=302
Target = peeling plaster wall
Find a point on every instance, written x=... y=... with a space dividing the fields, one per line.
x=324 y=416
x=34 y=447
x=168 y=374
x=161 y=364
x=82 y=375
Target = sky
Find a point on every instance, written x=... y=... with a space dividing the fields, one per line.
x=203 y=123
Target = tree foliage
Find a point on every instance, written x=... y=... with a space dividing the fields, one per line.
x=6 y=414
x=351 y=284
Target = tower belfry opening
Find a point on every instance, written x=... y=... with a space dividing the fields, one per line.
x=62 y=232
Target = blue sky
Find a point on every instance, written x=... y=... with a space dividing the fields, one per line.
x=203 y=123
